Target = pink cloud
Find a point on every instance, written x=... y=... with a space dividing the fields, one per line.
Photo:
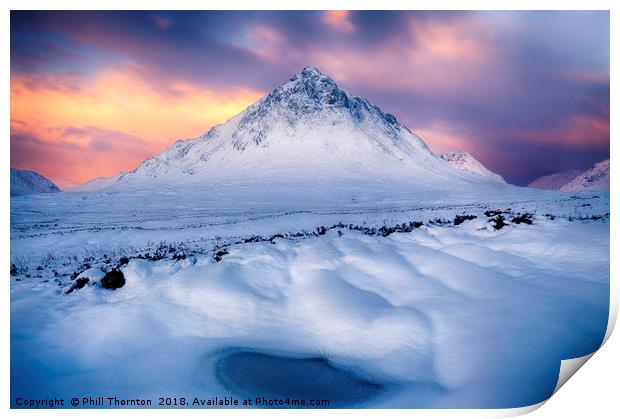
x=440 y=137
x=579 y=130
x=339 y=20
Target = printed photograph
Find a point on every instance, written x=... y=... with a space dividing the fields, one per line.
x=306 y=209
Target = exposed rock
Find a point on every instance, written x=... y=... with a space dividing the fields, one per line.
x=113 y=280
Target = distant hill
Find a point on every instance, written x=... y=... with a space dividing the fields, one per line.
x=595 y=178
x=465 y=162
x=555 y=181
x=26 y=182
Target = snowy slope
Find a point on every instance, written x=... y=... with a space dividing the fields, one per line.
x=464 y=161
x=308 y=130
x=26 y=182
x=555 y=181
x=593 y=179
x=96 y=184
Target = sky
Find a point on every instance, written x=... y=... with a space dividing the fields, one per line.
x=94 y=93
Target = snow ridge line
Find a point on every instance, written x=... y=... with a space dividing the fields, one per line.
x=182 y=251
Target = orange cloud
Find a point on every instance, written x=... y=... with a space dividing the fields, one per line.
x=339 y=20
x=146 y=115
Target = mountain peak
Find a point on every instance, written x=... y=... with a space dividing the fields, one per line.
x=311 y=71
x=310 y=92
x=304 y=128
x=310 y=74
x=313 y=83
x=464 y=161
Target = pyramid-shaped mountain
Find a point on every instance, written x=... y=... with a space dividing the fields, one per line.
x=306 y=131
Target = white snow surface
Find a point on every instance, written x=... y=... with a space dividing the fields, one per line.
x=465 y=162
x=450 y=316
x=93 y=275
x=555 y=181
x=26 y=182
x=593 y=179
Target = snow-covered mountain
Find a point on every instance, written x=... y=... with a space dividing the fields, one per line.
x=465 y=162
x=307 y=130
x=26 y=182
x=595 y=178
x=555 y=181
x=96 y=184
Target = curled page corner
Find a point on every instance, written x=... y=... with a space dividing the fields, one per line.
x=519 y=411
x=568 y=367
x=613 y=317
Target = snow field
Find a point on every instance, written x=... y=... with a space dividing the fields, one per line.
x=452 y=316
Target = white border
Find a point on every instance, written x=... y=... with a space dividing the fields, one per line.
x=594 y=392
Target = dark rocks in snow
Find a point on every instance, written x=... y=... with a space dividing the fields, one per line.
x=217 y=256
x=113 y=279
x=162 y=251
x=123 y=261
x=493 y=213
x=390 y=118
x=592 y=217
x=459 y=219
x=77 y=284
x=526 y=218
x=499 y=222
x=383 y=231
x=276 y=236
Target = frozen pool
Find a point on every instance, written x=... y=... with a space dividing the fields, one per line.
x=259 y=374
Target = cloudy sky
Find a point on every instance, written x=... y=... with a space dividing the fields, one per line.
x=93 y=93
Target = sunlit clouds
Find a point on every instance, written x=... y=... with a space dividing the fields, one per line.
x=113 y=121
x=94 y=93
x=339 y=20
